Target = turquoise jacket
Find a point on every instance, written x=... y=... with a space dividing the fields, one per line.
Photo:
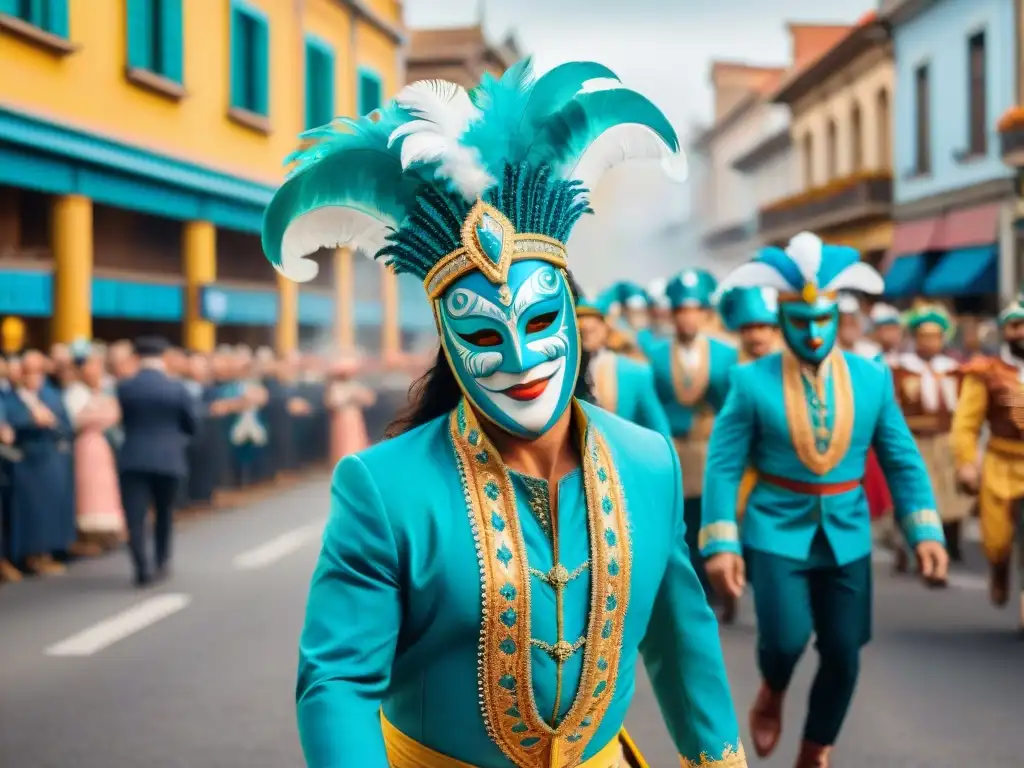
x=434 y=604
x=626 y=387
x=770 y=422
x=682 y=391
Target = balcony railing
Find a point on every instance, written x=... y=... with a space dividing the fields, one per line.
x=848 y=200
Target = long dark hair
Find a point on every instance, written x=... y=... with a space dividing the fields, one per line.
x=437 y=391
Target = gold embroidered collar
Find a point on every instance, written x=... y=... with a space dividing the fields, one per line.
x=690 y=383
x=504 y=673
x=799 y=417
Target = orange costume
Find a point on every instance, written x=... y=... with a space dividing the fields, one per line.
x=993 y=393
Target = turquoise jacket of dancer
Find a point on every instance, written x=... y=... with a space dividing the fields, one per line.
x=626 y=387
x=683 y=389
x=772 y=421
x=477 y=635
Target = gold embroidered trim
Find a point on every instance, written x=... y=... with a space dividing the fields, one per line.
x=690 y=385
x=606 y=382
x=714 y=532
x=505 y=679
x=925 y=517
x=798 y=416
x=732 y=757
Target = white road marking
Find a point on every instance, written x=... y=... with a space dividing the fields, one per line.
x=116 y=628
x=968 y=581
x=275 y=549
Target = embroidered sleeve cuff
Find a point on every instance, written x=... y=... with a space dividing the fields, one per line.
x=719 y=537
x=732 y=757
x=923 y=525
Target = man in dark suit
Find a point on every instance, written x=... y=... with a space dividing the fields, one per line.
x=159 y=420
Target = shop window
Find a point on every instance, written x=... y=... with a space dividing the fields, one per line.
x=250 y=59
x=49 y=15
x=155 y=41
x=370 y=91
x=319 y=82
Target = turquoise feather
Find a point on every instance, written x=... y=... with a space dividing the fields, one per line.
x=502 y=102
x=361 y=179
x=567 y=134
x=553 y=89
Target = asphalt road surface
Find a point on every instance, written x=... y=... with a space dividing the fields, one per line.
x=199 y=672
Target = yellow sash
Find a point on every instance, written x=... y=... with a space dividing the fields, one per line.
x=404 y=752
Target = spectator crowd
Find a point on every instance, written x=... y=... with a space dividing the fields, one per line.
x=261 y=417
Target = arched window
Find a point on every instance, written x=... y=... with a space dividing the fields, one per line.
x=808 y=160
x=884 y=128
x=832 y=152
x=856 y=140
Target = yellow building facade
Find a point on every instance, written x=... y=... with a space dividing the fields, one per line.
x=140 y=142
x=841 y=131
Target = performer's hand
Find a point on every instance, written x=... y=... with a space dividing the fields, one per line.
x=933 y=561
x=727 y=573
x=968 y=479
x=6 y=434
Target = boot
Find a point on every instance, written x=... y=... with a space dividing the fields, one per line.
x=50 y=567
x=813 y=756
x=8 y=572
x=766 y=720
x=999 y=584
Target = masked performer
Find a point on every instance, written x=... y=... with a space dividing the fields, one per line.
x=490 y=577
x=619 y=384
x=691 y=372
x=887 y=332
x=752 y=314
x=805 y=418
x=927 y=387
x=629 y=319
x=993 y=392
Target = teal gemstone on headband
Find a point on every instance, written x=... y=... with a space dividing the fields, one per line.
x=491 y=238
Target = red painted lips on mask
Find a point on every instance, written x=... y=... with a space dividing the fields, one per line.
x=531 y=390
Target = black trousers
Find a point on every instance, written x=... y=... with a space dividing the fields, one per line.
x=139 y=490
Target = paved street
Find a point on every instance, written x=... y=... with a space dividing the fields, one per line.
x=199 y=673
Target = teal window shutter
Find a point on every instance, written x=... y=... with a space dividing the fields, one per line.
x=238 y=58
x=312 y=76
x=56 y=22
x=171 y=39
x=10 y=7
x=369 y=91
x=140 y=33
x=319 y=83
x=261 y=66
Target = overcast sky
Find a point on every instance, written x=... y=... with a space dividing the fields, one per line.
x=659 y=47
x=662 y=48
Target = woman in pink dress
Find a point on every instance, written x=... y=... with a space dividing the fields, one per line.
x=98 y=511
x=346 y=400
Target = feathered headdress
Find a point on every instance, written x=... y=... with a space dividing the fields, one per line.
x=443 y=181
x=928 y=312
x=806 y=270
x=630 y=295
x=692 y=288
x=748 y=306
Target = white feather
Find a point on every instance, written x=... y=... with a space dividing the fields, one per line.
x=444 y=111
x=770 y=297
x=328 y=227
x=621 y=144
x=858 y=277
x=755 y=274
x=600 y=84
x=805 y=251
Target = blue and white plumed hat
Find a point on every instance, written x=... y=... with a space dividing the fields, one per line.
x=748 y=306
x=848 y=303
x=885 y=314
x=592 y=307
x=1014 y=311
x=691 y=288
x=444 y=181
x=807 y=271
